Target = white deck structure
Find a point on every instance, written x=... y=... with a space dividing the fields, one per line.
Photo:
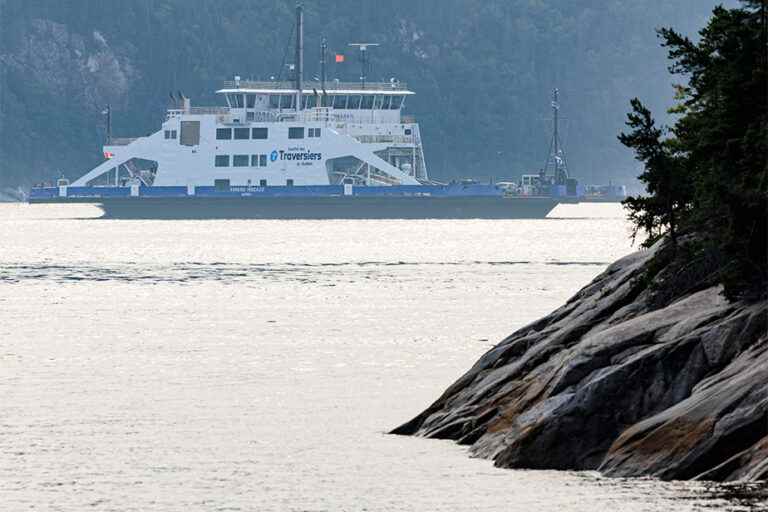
x=350 y=133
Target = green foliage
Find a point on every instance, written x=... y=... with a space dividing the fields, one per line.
x=664 y=177
x=719 y=147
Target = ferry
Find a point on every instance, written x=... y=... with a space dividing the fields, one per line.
x=292 y=150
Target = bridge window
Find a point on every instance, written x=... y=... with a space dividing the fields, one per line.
x=222 y=161
x=354 y=102
x=250 y=100
x=242 y=133
x=287 y=100
x=296 y=133
x=397 y=102
x=223 y=133
x=259 y=133
x=310 y=101
x=367 y=103
x=340 y=102
x=274 y=101
x=240 y=161
x=385 y=102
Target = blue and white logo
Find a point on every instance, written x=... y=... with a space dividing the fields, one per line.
x=273 y=156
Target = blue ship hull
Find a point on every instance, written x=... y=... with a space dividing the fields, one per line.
x=313 y=202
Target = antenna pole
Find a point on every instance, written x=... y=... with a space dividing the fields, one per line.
x=299 y=54
x=323 y=48
x=109 y=124
x=363 y=60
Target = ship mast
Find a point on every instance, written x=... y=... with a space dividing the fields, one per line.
x=323 y=49
x=556 y=156
x=299 y=54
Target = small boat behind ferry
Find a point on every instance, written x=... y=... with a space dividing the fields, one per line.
x=291 y=150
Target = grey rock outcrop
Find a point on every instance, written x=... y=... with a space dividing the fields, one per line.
x=617 y=381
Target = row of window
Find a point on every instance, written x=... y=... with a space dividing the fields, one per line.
x=241 y=160
x=170 y=134
x=241 y=133
x=339 y=101
x=260 y=133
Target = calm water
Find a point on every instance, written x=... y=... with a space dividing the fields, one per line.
x=255 y=365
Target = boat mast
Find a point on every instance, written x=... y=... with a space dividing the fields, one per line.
x=323 y=48
x=556 y=155
x=555 y=110
x=108 y=113
x=299 y=54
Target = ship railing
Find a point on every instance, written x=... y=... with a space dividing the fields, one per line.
x=385 y=139
x=317 y=114
x=121 y=141
x=197 y=111
x=329 y=86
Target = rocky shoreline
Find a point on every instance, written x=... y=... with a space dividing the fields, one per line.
x=624 y=379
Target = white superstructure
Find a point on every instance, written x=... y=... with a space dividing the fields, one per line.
x=276 y=134
x=357 y=136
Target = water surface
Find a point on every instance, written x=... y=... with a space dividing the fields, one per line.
x=256 y=365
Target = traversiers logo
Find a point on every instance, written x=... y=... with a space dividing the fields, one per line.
x=295 y=155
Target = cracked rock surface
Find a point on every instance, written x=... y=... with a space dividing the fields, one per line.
x=615 y=381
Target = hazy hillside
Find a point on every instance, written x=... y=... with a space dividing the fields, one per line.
x=483 y=71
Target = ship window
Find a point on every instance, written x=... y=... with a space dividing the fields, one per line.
x=254 y=160
x=242 y=133
x=287 y=101
x=259 y=133
x=250 y=116
x=354 y=102
x=240 y=161
x=367 y=103
x=262 y=160
x=296 y=133
x=311 y=101
x=313 y=132
x=167 y=134
x=250 y=101
x=173 y=134
x=262 y=183
x=223 y=133
x=274 y=101
x=340 y=102
x=289 y=182
x=222 y=160
x=407 y=131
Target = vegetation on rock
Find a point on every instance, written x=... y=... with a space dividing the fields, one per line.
x=708 y=174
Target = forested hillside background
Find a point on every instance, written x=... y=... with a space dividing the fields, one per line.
x=483 y=71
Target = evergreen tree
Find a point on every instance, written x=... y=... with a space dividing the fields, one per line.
x=719 y=144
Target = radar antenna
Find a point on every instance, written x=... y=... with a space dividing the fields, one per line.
x=364 y=60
